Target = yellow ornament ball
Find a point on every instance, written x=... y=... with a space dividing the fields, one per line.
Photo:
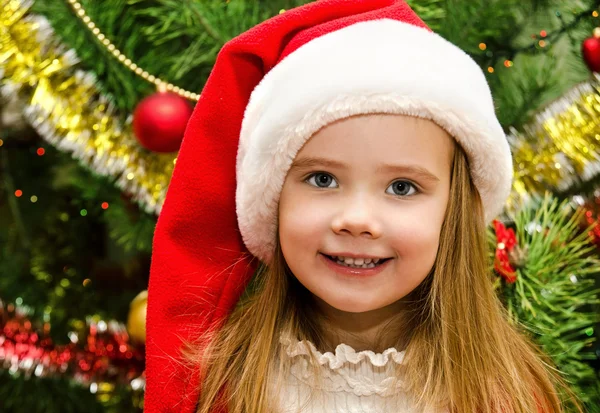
x=136 y=320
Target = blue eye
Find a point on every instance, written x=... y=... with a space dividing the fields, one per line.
x=322 y=180
x=401 y=188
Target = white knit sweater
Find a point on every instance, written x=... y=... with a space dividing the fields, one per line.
x=351 y=382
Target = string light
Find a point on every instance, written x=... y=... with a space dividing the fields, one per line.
x=83 y=212
x=160 y=84
x=18 y=193
x=105 y=205
x=482 y=46
x=41 y=151
x=490 y=69
x=33 y=199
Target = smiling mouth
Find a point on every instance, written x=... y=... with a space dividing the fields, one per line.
x=356 y=262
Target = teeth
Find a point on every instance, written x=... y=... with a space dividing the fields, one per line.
x=357 y=262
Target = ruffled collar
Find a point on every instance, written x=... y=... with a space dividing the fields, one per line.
x=362 y=373
x=342 y=355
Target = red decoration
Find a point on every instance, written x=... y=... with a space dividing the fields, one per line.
x=101 y=353
x=507 y=241
x=160 y=120
x=591 y=51
x=591 y=219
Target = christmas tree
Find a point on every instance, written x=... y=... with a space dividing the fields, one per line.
x=84 y=175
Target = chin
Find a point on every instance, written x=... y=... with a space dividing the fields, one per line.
x=349 y=306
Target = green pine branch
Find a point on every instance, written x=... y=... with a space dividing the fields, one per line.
x=555 y=296
x=511 y=29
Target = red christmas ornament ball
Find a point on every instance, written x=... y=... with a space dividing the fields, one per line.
x=591 y=51
x=160 y=120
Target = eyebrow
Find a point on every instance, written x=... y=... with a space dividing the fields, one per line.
x=311 y=162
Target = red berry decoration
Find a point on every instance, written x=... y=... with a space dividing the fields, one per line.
x=160 y=120
x=591 y=51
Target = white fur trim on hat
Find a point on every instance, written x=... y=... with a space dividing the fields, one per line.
x=378 y=66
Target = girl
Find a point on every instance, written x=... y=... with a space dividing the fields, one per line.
x=322 y=244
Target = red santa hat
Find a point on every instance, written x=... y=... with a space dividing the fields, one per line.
x=270 y=90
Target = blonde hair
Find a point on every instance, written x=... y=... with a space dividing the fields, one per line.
x=462 y=353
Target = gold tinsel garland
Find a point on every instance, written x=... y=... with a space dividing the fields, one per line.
x=65 y=106
x=561 y=147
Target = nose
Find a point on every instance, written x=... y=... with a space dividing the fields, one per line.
x=357 y=217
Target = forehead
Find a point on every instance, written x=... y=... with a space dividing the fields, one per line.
x=368 y=140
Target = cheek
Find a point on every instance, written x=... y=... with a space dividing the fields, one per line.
x=415 y=238
x=298 y=220
x=302 y=224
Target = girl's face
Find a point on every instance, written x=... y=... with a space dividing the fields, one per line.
x=362 y=207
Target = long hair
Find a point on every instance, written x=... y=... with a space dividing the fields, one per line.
x=463 y=353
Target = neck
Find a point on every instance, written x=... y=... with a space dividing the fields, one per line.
x=375 y=330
